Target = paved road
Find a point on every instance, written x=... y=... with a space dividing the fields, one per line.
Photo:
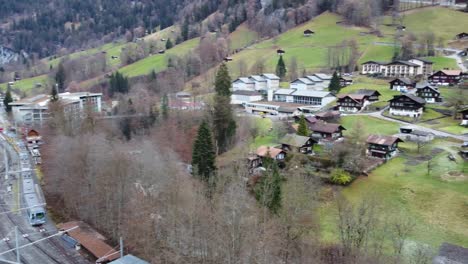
x=437 y=133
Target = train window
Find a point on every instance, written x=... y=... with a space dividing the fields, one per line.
x=40 y=215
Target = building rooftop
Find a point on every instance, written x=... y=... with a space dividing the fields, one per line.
x=368 y=92
x=323 y=76
x=452 y=72
x=244 y=80
x=412 y=97
x=382 y=140
x=326 y=127
x=312 y=93
x=285 y=91
x=404 y=80
x=247 y=93
x=294 y=140
x=303 y=80
x=129 y=259
x=314 y=78
x=257 y=78
x=262 y=151
x=270 y=76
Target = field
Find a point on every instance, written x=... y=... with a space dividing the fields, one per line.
x=377 y=53
x=310 y=52
x=370 y=125
x=266 y=136
x=26 y=85
x=436 y=202
x=158 y=62
x=441 y=63
x=362 y=82
x=444 y=22
x=241 y=37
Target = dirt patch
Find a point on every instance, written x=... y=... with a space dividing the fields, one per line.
x=454 y=176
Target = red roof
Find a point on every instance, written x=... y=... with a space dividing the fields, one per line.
x=326 y=127
x=90 y=240
x=263 y=150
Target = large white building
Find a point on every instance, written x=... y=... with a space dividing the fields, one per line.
x=398 y=68
x=34 y=110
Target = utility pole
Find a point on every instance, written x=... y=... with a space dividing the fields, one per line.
x=17 y=245
x=5 y=161
x=121 y=248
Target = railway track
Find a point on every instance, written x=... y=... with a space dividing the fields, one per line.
x=46 y=251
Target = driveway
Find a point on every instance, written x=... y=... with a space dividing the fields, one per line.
x=437 y=133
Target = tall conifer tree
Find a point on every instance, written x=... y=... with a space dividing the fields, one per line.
x=281 y=68
x=334 y=85
x=303 y=130
x=223 y=120
x=203 y=156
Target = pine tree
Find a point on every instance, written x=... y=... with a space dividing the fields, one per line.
x=281 y=68
x=118 y=84
x=223 y=119
x=165 y=107
x=60 y=77
x=203 y=155
x=223 y=81
x=185 y=30
x=54 y=94
x=334 y=85
x=268 y=189
x=303 y=130
x=8 y=99
x=169 y=44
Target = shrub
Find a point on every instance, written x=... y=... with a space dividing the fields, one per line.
x=341 y=177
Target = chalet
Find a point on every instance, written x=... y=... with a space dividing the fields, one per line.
x=464 y=117
x=383 y=147
x=407 y=105
x=446 y=77
x=302 y=84
x=462 y=35
x=428 y=92
x=280 y=52
x=271 y=152
x=326 y=131
x=241 y=96
x=451 y=254
x=328 y=116
x=351 y=102
x=345 y=81
x=243 y=84
x=308 y=33
x=372 y=95
x=402 y=84
x=296 y=143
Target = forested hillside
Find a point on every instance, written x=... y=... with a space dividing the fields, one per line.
x=48 y=27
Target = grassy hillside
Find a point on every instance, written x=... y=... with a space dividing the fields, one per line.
x=27 y=85
x=310 y=52
x=158 y=62
x=444 y=22
x=242 y=37
x=443 y=62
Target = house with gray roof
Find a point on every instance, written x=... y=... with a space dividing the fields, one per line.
x=296 y=143
x=302 y=84
x=243 y=83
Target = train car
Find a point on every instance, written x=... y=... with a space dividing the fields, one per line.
x=35 y=211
